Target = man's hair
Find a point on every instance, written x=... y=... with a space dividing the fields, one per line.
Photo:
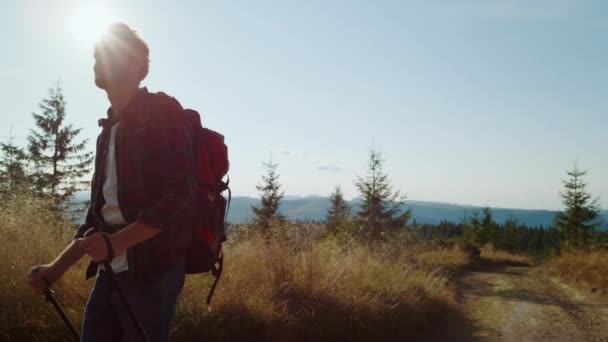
x=119 y=39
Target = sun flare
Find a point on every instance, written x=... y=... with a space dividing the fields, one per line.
x=88 y=21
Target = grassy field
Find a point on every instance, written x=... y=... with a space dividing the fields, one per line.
x=491 y=255
x=295 y=288
x=589 y=270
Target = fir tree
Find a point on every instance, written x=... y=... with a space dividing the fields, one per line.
x=271 y=196
x=472 y=231
x=488 y=229
x=510 y=241
x=60 y=162
x=13 y=176
x=381 y=206
x=578 y=220
x=339 y=212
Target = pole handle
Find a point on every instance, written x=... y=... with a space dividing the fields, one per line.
x=50 y=297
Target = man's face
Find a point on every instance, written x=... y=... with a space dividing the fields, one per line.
x=112 y=68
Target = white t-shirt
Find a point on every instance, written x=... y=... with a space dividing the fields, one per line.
x=111 y=211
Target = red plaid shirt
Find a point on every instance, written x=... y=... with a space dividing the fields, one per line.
x=156 y=184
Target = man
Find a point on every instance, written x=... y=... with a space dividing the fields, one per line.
x=141 y=199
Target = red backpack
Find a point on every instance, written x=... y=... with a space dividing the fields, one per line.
x=205 y=252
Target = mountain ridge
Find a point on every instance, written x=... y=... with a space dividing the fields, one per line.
x=430 y=212
x=314 y=207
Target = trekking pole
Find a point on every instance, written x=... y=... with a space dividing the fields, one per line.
x=50 y=297
x=116 y=286
x=123 y=298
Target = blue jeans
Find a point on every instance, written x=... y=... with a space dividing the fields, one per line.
x=106 y=318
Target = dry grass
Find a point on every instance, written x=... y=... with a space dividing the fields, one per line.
x=588 y=269
x=32 y=235
x=319 y=291
x=450 y=259
x=291 y=289
x=495 y=256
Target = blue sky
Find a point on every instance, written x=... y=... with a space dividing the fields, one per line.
x=478 y=102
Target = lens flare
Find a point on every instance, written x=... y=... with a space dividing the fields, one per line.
x=88 y=21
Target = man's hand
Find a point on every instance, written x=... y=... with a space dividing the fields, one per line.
x=95 y=246
x=54 y=270
x=38 y=274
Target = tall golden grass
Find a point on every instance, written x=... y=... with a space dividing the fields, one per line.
x=589 y=269
x=492 y=255
x=32 y=234
x=291 y=288
x=319 y=291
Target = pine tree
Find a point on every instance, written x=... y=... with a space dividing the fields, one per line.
x=578 y=220
x=472 y=231
x=380 y=210
x=271 y=196
x=488 y=229
x=13 y=176
x=59 y=161
x=511 y=237
x=338 y=214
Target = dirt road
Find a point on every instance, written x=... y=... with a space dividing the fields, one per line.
x=525 y=304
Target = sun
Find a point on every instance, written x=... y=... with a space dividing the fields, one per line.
x=88 y=21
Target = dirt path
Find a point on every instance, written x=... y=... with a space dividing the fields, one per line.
x=525 y=304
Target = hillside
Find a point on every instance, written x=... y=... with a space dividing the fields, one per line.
x=315 y=208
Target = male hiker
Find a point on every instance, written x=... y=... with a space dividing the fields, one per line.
x=142 y=197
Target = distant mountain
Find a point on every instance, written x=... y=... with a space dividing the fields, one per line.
x=315 y=208
x=604 y=218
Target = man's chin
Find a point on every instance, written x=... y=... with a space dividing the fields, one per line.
x=100 y=83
